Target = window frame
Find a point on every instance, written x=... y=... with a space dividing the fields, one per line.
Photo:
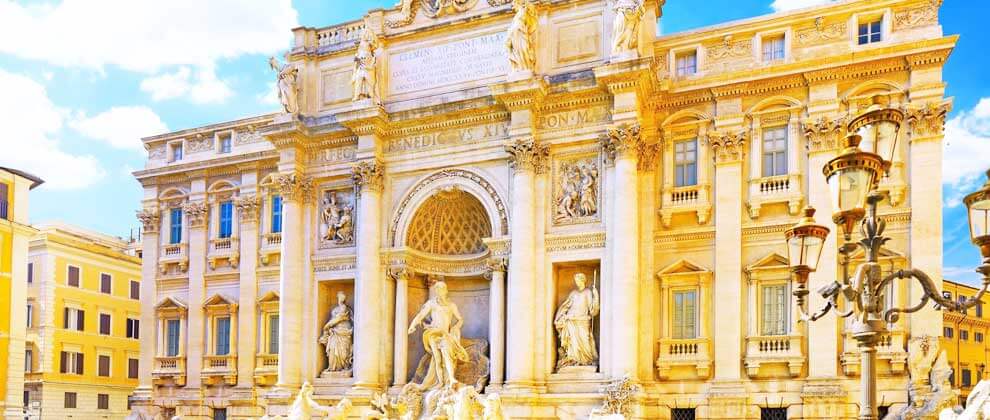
x=774 y=153
x=132 y=328
x=99 y=324
x=134 y=286
x=696 y=315
x=109 y=278
x=102 y=401
x=30 y=273
x=68 y=276
x=168 y=337
x=682 y=56
x=176 y=151
x=682 y=168
x=276 y=213
x=72 y=402
x=219 y=337
x=175 y=225
x=785 y=308
x=871 y=23
x=99 y=365
x=133 y=365
x=773 y=37
x=225 y=219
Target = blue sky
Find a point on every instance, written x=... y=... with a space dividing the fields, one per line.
x=82 y=81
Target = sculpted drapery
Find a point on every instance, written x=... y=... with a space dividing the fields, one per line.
x=338 y=336
x=522 y=54
x=441 y=338
x=625 y=28
x=288 y=85
x=574 y=326
x=364 y=79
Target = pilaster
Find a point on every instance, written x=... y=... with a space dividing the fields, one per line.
x=297 y=193
x=369 y=324
x=196 y=215
x=150 y=222
x=247 y=212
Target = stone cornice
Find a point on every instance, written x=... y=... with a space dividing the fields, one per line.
x=628 y=76
x=366 y=120
x=447 y=122
x=185 y=171
x=521 y=94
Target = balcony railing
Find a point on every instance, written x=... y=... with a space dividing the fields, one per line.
x=687 y=199
x=271 y=244
x=339 y=34
x=170 y=368
x=224 y=249
x=173 y=254
x=891 y=353
x=781 y=350
x=690 y=352
x=219 y=368
x=775 y=189
x=265 y=369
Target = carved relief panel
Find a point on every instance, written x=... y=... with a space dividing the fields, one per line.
x=576 y=188
x=336 y=218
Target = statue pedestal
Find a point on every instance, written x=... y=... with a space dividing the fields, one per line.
x=576 y=379
x=344 y=375
x=333 y=383
x=284 y=118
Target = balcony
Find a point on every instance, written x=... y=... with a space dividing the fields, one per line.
x=173 y=254
x=692 y=353
x=223 y=249
x=217 y=369
x=891 y=356
x=778 y=355
x=170 y=369
x=265 y=369
x=271 y=244
x=690 y=199
x=775 y=189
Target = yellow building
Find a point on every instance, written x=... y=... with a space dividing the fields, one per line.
x=964 y=339
x=14 y=235
x=83 y=319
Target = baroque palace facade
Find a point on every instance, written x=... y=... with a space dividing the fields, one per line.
x=599 y=202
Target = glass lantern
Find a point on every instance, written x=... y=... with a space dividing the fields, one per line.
x=878 y=127
x=851 y=177
x=805 y=241
x=978 y=204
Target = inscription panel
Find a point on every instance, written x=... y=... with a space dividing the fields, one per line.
x=440 y=139
x=336 y=87
x=578 y=42
x=573 y=118
x=448 y=64
x=335 y=155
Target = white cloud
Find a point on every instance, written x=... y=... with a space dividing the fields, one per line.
x=782 y=5
x=121 y=127
x=205 y=89
x=29 y=142
x=270 y=97
x=967 y=143
x=145 y=35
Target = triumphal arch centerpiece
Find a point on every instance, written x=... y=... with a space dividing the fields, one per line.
x=540 y=208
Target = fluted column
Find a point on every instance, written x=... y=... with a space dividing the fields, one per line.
x=621 y=146
x=400 y=363
x=496 y=319
x=197 y=214
x=150 y=223
x=368 y=286
x=297 y=192
x=247 y=213
x=525 y=154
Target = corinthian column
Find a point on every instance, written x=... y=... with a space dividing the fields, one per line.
x=496 y=319
x=525 y=155
x=369 y=296
x=621 y=147
x=247 y=214
x=297 y=192
x=400 y=364
x=150 y=223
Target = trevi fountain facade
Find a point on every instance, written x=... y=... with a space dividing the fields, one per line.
x=536 y=209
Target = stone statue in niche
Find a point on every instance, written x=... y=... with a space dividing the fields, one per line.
x=288 y=85
x=338 y=337
x=577 y=191
x=522 y=54
x=338 y=219
x=573 y=323
x=441 y=337
x=625 y=27
x=364 y=79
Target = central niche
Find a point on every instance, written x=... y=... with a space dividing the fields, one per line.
x=451 y=222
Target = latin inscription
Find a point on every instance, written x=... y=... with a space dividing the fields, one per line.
x=448 y=64
x=448 y=138
x=575 y=118
x=339 y=154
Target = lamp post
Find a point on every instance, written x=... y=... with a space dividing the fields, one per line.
x=853 y=178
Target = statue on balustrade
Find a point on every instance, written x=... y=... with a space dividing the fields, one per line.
x=364 y=79
x=288 y=85
x=338 y=336
x=625 y=27
x=573 y=322
x=522 y=54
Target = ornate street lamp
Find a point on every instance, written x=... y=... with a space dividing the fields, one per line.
x=853 y=178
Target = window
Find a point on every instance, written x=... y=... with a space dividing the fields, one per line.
x=73 y=276
x=870 y=32
x=686 y=163
x=70 y=400
x=175 y=226
x=773 y=48
x=102 y=401
x=687 y=64
x=28 y=360
x=964 y=335
x=223 y=336
x=681 y=414
x=276 y=214
x=27 y=398
x=133 y=328
x=685 y=314
x=273 y=334
x=777 y=413
x=30 y=273
x=132 y=368
x=775 y=300
x=947 y=332
x=225 y=143
x=775 y=151
x=172 y=338
x=176 y=152
x=967 y=378
x=979 y=309
x=135 y=290
x=104 y=324
x=978 y=337
x=73 y=319
x=106 y=283
x=30 y=315
x=103 y=365
x=219 y=414
x=71 y=362
x=3 y=201
x=226 y=219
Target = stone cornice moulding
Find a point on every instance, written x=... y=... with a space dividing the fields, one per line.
x=638 y=75
x=443 y=122
x=521 y=94
x=365 y=118
x=186 y=171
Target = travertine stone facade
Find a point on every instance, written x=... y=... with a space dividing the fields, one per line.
x=663 y=168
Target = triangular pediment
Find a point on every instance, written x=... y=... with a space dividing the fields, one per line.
x=772 y=261
x=169 y=302
x=682 y=266
x=219 y=299
x=271 y=296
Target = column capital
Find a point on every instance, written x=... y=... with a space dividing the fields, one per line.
x=368 y=175
x=400 y=272
x=150 y=220
x=247 y=208
x=196 y=213
x=927 y=120
x=294 y=187
x=525 y=154
x=622 y=141
x=728 y=146
x=495 y=264
x=823 y=133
